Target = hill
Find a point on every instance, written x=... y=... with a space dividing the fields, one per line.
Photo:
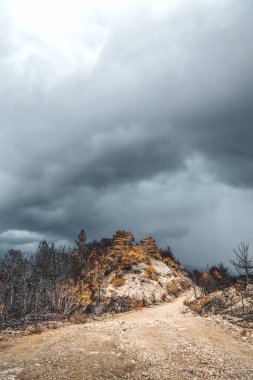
x=111 y=275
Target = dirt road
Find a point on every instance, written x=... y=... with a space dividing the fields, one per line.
x=153 y=343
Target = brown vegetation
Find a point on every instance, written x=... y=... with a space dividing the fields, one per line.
x=173 y=288
x=218 y=292
x=150 y=273
x=118 y=281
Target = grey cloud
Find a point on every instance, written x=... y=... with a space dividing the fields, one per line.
x=19 y=236
x=114 y=143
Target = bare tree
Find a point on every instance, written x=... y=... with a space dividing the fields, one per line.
x=242 y=262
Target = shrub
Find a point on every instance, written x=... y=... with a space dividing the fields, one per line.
x=118 y=281
x=157 y=256
x=119 y=305
x=133 y=256
x=1 y=308
x=144 y=302
x=172 y=263
x=173 y=288
x=78 y=317
x=34 y=329
x=164 y=297
x=135 y=303
x=200 y=306
x=67 y=297
x=150 y=273
x=168 y=261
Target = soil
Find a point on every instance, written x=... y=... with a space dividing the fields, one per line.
x=159 y=342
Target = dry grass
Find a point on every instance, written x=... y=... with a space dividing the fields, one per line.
x=199 y=306
x=78 y=317
x=173 y=288
x=231 y=303
x=150 y=273
x=135 y=303
x=118 y=281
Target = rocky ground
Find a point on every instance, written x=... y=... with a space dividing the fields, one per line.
x=166 y=282
x=160 y=342
x=225 y=308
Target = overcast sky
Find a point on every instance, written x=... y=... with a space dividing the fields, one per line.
x=131 y=115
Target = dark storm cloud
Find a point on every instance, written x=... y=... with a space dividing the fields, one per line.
x=138 y=126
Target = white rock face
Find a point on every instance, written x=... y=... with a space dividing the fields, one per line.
x=138 y=286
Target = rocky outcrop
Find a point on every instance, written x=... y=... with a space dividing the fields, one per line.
x=149 y=283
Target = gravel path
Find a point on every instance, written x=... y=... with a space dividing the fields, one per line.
x=153 y=343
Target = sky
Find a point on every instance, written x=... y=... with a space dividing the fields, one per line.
x=132 y=115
